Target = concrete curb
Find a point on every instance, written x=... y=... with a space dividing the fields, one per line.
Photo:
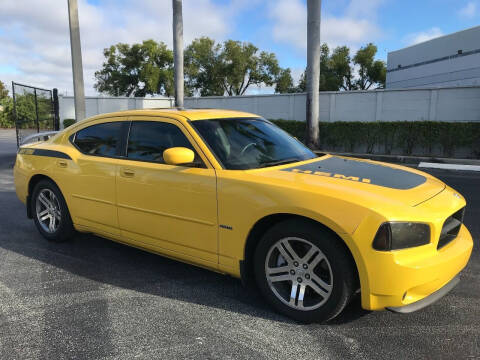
x=410 y=160
x=460 y=167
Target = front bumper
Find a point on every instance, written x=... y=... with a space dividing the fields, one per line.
x=430 y=299
x=402 y=278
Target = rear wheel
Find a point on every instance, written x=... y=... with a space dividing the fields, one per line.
x=50 y=212
x=304 y=271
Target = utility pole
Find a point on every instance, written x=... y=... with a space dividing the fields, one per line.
x=313 y=72
x=77 y=67
x=178 y=51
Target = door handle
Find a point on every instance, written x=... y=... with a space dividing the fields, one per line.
x=62 y=164
x=127 y=173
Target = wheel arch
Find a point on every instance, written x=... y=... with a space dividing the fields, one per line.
x=34 y=180
x=265 y=223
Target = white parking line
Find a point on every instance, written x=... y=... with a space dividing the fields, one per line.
x=449 y=166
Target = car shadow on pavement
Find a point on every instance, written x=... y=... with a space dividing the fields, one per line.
x=118 y=265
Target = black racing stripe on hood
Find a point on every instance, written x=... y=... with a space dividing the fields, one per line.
x=361 y=171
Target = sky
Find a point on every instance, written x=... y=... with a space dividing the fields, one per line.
x=35 y=48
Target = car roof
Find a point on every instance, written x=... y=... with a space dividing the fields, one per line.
x=181 y=114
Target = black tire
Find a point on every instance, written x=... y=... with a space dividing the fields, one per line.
x=65 y=230
x=340 y=266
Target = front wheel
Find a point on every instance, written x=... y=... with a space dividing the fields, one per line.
x=50 y=212
x=303 y=270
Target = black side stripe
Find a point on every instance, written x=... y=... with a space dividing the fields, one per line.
x=51 y=153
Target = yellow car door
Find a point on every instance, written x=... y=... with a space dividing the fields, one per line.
x=89 y=181
x=166 y=208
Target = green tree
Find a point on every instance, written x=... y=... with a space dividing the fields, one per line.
x=7 y=120
x=25 y=107
x=3 y=91
x=371 y=72
x=138 y=70
x=210 y=68
x=334 y=70
x=302 y=83
x=204 y=70
x=229 y=68
x=284 y=82
x=340 y=63
x=245 y=66
x=329 y=71
x=337 y=70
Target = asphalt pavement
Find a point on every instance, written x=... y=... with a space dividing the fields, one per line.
x=91 y=298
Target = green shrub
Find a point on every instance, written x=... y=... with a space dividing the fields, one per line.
x=294 y=128
x=68 y=122
x=406 y=137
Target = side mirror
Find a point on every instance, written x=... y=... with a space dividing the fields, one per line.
x=178 y=156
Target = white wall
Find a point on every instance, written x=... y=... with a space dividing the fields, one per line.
x=101 y=105
x=437 y=104
x=445 y=104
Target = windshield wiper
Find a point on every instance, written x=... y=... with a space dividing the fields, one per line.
x=280 y=162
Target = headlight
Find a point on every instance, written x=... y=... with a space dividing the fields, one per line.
x=401 y=235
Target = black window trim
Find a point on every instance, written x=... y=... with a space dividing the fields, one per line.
x=124 y=141
x=125 y=135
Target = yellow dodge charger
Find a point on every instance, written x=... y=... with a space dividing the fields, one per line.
x=231 y=192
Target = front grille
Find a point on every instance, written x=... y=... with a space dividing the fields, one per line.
x=450 y=228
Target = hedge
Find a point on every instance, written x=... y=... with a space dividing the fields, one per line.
x=423 y=138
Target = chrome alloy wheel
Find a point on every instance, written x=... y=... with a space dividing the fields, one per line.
x=48 y=212
x=298 y=273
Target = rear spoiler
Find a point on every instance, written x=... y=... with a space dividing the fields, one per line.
x=42 y=136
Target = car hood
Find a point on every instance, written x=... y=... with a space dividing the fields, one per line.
x=363 y=180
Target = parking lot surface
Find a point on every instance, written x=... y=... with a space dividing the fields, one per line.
x=92 y=298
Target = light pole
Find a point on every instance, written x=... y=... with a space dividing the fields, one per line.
x=313 y=72
x=178 y=51
x=77 y=67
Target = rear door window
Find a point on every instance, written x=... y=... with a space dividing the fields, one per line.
x=101 y=139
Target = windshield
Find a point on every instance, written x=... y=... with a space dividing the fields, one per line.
x=250 y=143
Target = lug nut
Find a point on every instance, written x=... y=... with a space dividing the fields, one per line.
x=292 y=272
x=307 y=276
x=305 y=266
x=295 y=263
x=299 y=280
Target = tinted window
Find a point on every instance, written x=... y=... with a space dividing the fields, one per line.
x=101 y=139
x=149 y=139
x=251 y=143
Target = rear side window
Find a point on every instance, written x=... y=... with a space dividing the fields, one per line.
x=102 y=139
x=149 y=139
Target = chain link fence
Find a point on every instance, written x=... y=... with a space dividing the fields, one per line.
x=35 y=110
